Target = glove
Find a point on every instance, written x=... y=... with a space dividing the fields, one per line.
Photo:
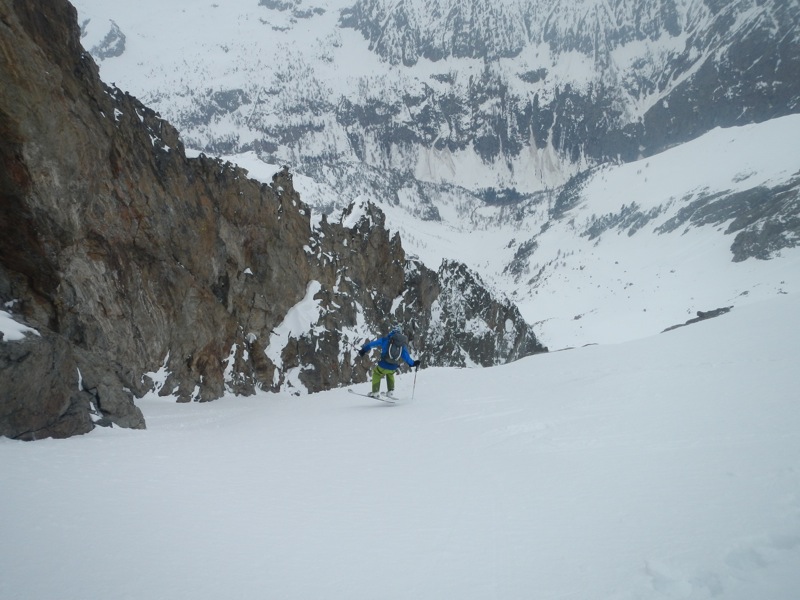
x=362 y=352
x=417 y=364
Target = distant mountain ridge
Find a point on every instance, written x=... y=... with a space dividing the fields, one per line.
x=405 y=32
x=698 y=64
x=507 y=95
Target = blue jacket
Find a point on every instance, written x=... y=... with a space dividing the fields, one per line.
x=383 y=344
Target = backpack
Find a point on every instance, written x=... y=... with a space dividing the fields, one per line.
x=394 y=351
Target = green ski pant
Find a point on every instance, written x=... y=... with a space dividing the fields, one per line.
x=377 y=374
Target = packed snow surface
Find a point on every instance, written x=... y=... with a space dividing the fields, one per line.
x=667 y=467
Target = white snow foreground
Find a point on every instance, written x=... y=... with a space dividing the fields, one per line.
x=668 y=467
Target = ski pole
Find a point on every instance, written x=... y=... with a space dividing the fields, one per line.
x=414 y=388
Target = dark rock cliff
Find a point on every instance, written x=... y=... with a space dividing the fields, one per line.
x=128 y=258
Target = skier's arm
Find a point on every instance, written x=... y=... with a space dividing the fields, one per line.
x=407 y=357
x=369 y=346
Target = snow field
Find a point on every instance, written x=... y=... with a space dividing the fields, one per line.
x=660 y=468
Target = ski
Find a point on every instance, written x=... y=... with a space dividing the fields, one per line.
x=382 y=397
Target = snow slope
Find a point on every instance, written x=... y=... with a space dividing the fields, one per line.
x=626 y=282
x=661 y=468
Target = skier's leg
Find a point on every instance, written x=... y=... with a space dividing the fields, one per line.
x=377 y=375
x=390 y=380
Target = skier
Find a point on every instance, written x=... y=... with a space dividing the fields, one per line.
x=393 y=350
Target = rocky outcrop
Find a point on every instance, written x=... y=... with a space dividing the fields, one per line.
x=55 y=406
x=765 y=220
x=51 y=388
x=702 y=315
x=464 y=311
x=145 y=271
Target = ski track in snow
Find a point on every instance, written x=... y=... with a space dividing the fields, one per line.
x=661 y=468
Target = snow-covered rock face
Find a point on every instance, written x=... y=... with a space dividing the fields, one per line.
x=594 y=81
x=515 y=94
x=440 y=29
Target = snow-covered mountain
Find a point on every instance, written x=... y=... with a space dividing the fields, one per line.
x=625 y=250
x=578 y=143
x=515 y=94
